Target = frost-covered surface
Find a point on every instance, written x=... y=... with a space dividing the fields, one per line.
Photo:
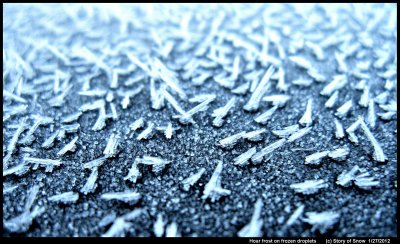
x=118 y=120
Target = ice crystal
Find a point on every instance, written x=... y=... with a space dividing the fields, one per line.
x=191 y=180
x=66 y=197
x=309 y=186
x=213 y=189
x=230 y=141
x=322 y=221
x=254 y=228
x=258 y=157
x=295 y=216
x=306 y=119
x=128 y=197
x=315 y=159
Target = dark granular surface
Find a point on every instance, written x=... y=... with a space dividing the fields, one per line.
x=84 y=45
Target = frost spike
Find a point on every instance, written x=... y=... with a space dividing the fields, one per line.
x=301 y=62
x=13 y=142
x=371 y=114
x=221 y=112
x=118 y=228
x=243 y=159
x=344 y=109
x=258 y=157
x=8 y=188
x=201 y=98
x=94 y=164
x=69 y=147
x=346 y=178
x=93 y=106
x=378 y=152
x=295 y=216
x=157 y=96
x=242 y=89
x=147 y=133
x=364 y=182
x=101 y=120
x=172 y=230
x=112 y=146
x=106 y=220
x=66 y=197
x=390 y=107
x=173 y=102
x=254 y=228
x=315 y=158
x=339 y=154
x=72 y=117
x=322 y=221
x=309 y=186
x=48 y=163
x=186 y=118
x=316 y=49
x=332 y=100
x=340 y=59
x=93 y=93
x=137 y=124
x=286 y=131
x=382 y=97
x=306 y=120
x=22 y=222
x=338 y=82
x=281 y=85
x=157 y=164
x=264 y=117
x=133 y=173
x=59 y=100
x=128 y=197
x=254 y=101
x=254 y=135
x=277 y=100
x=230 y=141
x=302 y=82
x=363 y=102
x=13 y=96
x=71 y=128
x=191 y=180
x=213 y=189
x=32 y=194
x=388 y=115
x=299 y=134
x=90 y=184
x=168 y=77
x=159 y=226
x=50 y=141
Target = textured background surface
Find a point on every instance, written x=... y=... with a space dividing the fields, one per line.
x=104 y=30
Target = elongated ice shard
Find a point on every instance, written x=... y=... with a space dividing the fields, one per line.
x=322 y=221
x=309 y=186
x=191 y=180
x=66 y=197
x=254 y=228
x=213 y=189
